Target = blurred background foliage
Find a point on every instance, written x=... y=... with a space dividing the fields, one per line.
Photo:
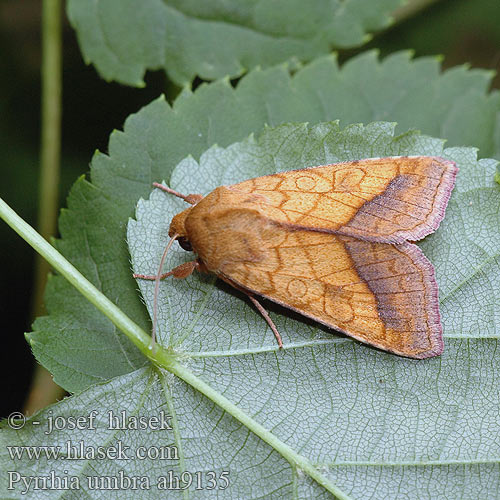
x=461 y=31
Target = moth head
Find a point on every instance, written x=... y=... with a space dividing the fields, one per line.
x=178 y=227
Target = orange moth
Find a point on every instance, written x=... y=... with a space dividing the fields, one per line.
x=332 y=243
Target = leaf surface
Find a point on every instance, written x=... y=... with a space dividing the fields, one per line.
x=374 y=411
x=154 y=140
x=373 y=423
x=198 y=439
x=93 y=227
x=124 y=38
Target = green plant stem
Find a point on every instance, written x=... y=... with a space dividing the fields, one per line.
x=50 y=149
x=43 y=390
x=161 y=356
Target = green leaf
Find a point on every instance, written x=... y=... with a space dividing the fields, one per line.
x=81 y=347
x=373 y=424
x=154 y=140
x=188 y=38
x=197 y=439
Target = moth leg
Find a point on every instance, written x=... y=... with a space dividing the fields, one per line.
x=266 y=316
x=258 y=305
x=192 y=199
x=180 y=272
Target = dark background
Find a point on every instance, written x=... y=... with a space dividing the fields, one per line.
x=460 y=30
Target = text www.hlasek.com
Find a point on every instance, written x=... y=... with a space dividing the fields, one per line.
x=80 y=451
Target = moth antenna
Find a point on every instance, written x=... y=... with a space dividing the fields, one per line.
x=158 y=276
x=192 y=199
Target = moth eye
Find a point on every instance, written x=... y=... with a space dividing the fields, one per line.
x=184 y=244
